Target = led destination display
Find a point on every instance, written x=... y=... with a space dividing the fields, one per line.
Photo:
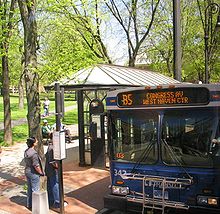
x=164 y=97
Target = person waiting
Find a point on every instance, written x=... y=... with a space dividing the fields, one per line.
x=51 y=171
x=46 y=104
x=46 y=129
x=33 y=169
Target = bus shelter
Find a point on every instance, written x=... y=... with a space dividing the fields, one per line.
x=90 y=87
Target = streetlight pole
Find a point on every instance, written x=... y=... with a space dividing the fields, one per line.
x=177 y=53
x=209 y=37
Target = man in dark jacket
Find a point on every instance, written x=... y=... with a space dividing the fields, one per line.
x=51 y=171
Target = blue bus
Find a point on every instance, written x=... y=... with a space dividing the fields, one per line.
x=164 y=147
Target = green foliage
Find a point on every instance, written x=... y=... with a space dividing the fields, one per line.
x=160 y=48
x=10 y=34
x=15 y=58
x=63 y=41
x=65 y=52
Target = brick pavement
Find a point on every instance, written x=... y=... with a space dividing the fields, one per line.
x=80 y=184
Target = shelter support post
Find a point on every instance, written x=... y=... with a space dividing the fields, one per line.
x=81 y=128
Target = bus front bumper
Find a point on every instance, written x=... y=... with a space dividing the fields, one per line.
x=114 y=202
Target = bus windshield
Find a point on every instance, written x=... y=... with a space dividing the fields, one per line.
x=190 y=137
x=187 y=136
x=134 y=136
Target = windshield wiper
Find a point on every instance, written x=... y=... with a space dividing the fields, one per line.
x=173 y=156
x=143 y=156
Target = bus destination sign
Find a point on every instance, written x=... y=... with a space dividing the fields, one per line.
x=164 y=97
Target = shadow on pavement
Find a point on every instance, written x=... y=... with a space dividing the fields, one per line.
x=20 y=200
x=11 y=178
x=92 y=194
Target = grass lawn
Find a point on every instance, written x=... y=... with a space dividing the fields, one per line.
x=20 y=133
x=17 y=113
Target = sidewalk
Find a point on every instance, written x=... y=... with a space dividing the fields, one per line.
x=84 y=187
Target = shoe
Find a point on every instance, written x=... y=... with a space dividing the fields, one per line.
x=65 y=203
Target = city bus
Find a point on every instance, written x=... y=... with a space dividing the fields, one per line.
x=164 y=148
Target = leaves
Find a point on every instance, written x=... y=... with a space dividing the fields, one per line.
x=65 y=51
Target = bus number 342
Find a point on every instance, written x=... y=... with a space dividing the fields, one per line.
x=119 y=172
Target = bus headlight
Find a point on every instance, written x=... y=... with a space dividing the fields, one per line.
x=118 y=190
x=207 y=200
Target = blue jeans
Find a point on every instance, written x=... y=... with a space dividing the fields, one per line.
x=53 y=191
x=33 y=183
x=46 y=111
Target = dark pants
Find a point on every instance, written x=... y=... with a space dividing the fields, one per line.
x=53 y=191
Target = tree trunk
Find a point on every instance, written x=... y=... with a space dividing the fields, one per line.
x=27 y=10
x=6 y=16
x=6 y=99
x=131 y=62
x=132 y=59
x=21 y=92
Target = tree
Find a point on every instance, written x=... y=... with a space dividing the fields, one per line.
x=86 y=19
x=159 y=51
x=63 y=51
x=28 y=16
x=209 y=13
x=7 y=9
x=16 y=62
x=136 y=19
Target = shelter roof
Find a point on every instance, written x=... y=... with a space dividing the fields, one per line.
x=107 y=77
x=117 y=75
